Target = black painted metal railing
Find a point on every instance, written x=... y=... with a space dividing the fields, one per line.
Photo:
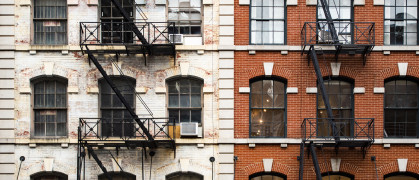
x=125 y=129
x=346 y=128
x=121 y=33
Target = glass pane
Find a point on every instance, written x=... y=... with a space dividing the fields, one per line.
x=173 y=100
x=268 y=93
x=278 y=123
x=256 y=122
x=174 y=87
x=196 y=100
x=390 y=2
x=115 y=101
x=412 y=3
x=39 y=129
x=390 y=87
x=411 y=88
x=185 y=115
x=279 y=13
x=184 y=100
x=184 y=86
x=196 y=116
x=61 y=116
x=174 y=114
x=267 y=12
x=61 y=129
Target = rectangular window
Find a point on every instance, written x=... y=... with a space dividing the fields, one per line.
x=187 y=16
x=50 y=108
x=114 y=30
x=185 y=100
x=50 y=22
x=400 y=22
x=341 y=12
x=267 y=22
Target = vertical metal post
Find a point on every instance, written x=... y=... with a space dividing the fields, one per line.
x=315 y=161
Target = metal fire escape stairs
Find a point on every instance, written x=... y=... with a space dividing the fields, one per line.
x=312 y=54
x=148 y=141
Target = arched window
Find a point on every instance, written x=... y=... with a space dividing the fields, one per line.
x=337 y=176
x=184 y=176
x=50 y=107
x=185 y=99
x=118 y=176
x=116 y=120
x=267 y=176
x=401 y=108
x=49 y=176
x=401 y=176
x=267 y=108
x=341 y=99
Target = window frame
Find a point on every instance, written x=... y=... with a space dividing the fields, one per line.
x=201 y=34
x=32 y=26
x=352 y=108
x=284 y=20
x=283 y=176
x=171 y=175
x=343 y=20
x=407 y=173
x=347 y=175
x=48 y=173
x=407 y=78
x=168 y=108
x=42 y=79
x=402 y=20
x=122 y=108
x=115 y=173
x=273 y=78
x=111 y=19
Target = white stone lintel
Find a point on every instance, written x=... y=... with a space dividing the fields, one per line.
x=359 y=2
x=268 y=67
x=208 y=90
x=244 y=2
x=379 y=90
x=160 y=90
x=292 y=90
x=311 y=90
x=402 y=68
x=25 y=90
x=359 y=90
x=244 y=90
x=402 y=164
x=267 y=164
x=378 y=2
x=141 y=90
x=73 y=89
x=93 y=90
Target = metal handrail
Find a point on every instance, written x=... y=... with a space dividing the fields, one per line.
x=354 y=33
x=125 y=129
x=347 y=128
x=120 y=33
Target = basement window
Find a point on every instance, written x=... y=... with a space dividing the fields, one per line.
x=267 y=108
x=401 y=108
x=50 y=22
x=187 y=16
x=50 y=108
x=267 y=22
x=401 y=22
x=116 y=119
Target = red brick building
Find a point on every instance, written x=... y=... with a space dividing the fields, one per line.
x=276 y=88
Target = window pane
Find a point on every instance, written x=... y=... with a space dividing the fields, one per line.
x=185 y=115
x=196 y=100
x=196 y=116
x=184 y=100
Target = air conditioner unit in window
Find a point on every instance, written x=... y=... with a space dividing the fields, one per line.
x=189 y=129
x=325 y=37
x=176 y=38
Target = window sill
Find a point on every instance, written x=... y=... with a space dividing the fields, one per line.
x=45 y=140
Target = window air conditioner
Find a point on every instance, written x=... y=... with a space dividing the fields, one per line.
x=325 y=37
x=176 y=38
x=189 y=129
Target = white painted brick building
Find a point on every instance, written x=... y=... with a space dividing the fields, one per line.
x=22 y=63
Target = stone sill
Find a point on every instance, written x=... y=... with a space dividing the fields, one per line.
x=77 y=48
x=298 y=141
x=298 y=48
x=74 y=141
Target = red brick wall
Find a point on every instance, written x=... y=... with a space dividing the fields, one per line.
x=297 y=15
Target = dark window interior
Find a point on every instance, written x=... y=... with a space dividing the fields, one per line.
x=185 y=97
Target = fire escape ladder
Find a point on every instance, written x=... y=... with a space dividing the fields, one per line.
x=330 y=23
x=119 y=95
x=128 y=19
x=94 y=155
x=301 y=159
x=315 y=161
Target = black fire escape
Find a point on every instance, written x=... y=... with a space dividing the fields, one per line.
x=131 y=38
x=322 y=38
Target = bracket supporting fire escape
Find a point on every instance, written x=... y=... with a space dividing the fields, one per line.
x=99 y=163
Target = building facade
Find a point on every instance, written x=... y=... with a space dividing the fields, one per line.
x=207 y=89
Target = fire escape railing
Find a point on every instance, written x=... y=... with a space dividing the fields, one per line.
x=120 y=33
x=355 y=33
x=100 y=129
x=347 y=129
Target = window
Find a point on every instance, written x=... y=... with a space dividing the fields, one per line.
x=114 y=30
x=337 y=176
x=50 y=22
x=184 y=176
x=401 y=108
x=400 y=22
x=341 y=101
x=187 y=16
x=267 y=108
x=267 y=22
x=401 y=176
x=267 y=176
x=341 y=12
x=116 y=120
x=50 y=107
x=49 y=176
x=185 y=96
x=118 y=176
